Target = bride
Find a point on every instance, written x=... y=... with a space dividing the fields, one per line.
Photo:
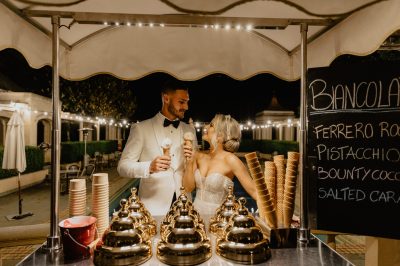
x=211 y=173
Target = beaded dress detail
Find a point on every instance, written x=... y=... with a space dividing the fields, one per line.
x=211 y=191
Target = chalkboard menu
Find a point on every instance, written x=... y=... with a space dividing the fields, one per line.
x=353 y=148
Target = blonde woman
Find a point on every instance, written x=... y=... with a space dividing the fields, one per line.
x=211 y=172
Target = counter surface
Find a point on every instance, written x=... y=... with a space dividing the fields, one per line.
x=316 y=253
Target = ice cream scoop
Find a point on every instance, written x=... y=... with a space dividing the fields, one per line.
x=166 y=146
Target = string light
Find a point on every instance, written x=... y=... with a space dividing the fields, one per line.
x=12 y=106
x=248 y=125
x=228 y=26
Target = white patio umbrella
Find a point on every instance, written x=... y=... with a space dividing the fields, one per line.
x=14 y=155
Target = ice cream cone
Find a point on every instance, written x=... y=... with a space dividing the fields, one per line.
x=188 y=138
x=166 y=152
x=166 y=146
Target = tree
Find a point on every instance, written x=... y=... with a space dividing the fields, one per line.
x=102 y=95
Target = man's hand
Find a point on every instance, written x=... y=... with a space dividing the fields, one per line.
x=160 y=163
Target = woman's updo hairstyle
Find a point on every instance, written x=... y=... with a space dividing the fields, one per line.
x=228 y=129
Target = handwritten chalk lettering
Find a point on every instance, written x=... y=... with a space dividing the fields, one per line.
x=389 y=130
x=357 y=173
x=366 y=95
x=384 y=196
x=344 y=194
x=343 y=131
x=350 y=153
x=385 y=175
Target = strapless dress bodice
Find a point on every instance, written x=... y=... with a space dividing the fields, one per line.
x=211 y=190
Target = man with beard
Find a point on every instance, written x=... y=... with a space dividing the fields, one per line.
x=154 y=150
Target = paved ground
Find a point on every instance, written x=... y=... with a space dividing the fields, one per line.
x=37 y=200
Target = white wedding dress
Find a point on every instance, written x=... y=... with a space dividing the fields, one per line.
x=211 y=191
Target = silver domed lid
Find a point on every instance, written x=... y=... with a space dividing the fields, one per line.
x=123 y=243
x=224 y=213
x=183 y=238
x=243 y=240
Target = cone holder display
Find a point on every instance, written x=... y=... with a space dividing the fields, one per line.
x=243 y=240
x=183 y=236
x=122 y=242
x=276 y=190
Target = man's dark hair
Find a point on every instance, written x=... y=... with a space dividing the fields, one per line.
x=172 y=85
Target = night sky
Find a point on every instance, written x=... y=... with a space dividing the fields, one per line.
x=213 y=94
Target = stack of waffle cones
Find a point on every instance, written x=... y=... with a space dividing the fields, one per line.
x=276 y=188
x=279 y=161
x=290 y=187
x=265 y=203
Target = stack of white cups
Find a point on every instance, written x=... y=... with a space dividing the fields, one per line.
x=77 y=197
x=100 y=201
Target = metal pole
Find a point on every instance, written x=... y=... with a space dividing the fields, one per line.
x=304 y=231
x=85 y=135
x=53 y=241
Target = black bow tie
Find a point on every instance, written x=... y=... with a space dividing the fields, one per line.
x=167 y=122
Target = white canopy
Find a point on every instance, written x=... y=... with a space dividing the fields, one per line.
x=183 y=47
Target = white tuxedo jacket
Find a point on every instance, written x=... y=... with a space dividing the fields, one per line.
x=144 y=144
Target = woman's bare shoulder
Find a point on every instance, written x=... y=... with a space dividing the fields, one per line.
x=231 y=158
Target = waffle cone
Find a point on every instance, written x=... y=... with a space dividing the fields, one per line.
x=278 y=157
x=290 y=178
x=266 y=200
x=188 y=142
x=269 y=164
x=291 y=190
x=166 y=151
x=293 y=155
x=253 y=160
x=269 y=171
x=271 y=186
x=250 y=155
x=256 y=169
x=257 y=177
x=292 y=167
x=270 y=218
x=279 y=215
x=261 y=188
x=292 y=162
x=291 y=172
x=287 y=216
x=291 y=194
x=253 y=165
